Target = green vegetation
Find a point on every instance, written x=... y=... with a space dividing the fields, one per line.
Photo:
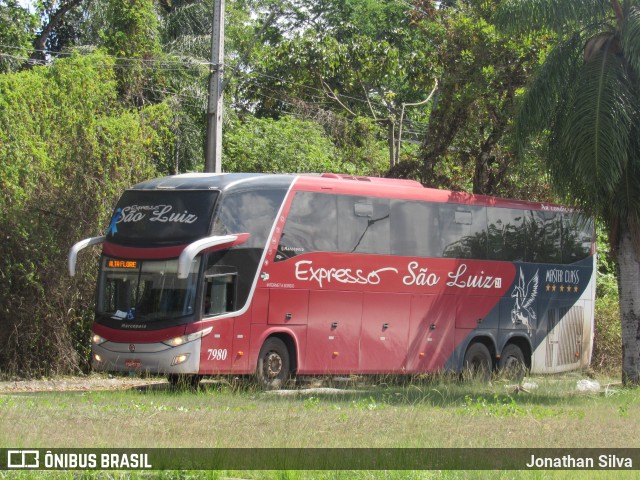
x=98 y=95
x=428 y=413
x=365 y=413
x=68 y=149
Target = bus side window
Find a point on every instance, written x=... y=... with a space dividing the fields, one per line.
x=363 y=225
x=464 y=231
x=312 y=226
x=219 y=294
x=415 y=229
x=506 y=234
x=577 y=232
x=543 y=237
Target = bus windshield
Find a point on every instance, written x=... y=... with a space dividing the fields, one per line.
x=145 y=291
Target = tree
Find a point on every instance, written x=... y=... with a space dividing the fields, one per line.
x=17 y=27
x=585 y=103
x=133 y=36
x=481 y=73
x=53 y=13
x=357 y=59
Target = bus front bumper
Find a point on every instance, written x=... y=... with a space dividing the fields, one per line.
x=153 y=358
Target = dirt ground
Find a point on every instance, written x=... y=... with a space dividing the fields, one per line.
x=84 y=383
x=108 y=382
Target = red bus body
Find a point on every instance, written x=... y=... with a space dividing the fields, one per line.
x=373 y=298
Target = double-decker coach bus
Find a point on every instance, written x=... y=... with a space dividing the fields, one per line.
x=275 y=275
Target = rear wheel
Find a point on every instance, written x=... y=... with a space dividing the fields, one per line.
x=477 y=363
x=273 y=369
x=512 y=365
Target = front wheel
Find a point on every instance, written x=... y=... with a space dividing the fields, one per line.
x=273 y=364
x=512 y=365
x=477 y=363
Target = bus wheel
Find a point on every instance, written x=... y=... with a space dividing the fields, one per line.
x=273 y=364
x=183 y=381
x=511 y=364
x=477 y=363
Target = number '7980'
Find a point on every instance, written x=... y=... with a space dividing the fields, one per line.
x=217 y=354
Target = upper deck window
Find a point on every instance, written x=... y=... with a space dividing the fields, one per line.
x=325 y=222
x=252 y=212
x=363 y=225
x=312 y=225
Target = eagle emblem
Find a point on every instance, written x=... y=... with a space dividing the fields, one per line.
x=525 y=294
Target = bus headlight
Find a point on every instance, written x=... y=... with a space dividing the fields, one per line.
x=177 y=341
x=97 y=339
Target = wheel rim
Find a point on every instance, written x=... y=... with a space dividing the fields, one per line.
x=513 y=368
x=512 y=363
x=272 y=365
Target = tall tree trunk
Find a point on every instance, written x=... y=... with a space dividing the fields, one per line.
x=629 y=288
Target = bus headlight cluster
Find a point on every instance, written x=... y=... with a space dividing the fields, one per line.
x=97 y=339
x=177 y=341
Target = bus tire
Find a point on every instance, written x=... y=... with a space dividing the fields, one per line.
x=477 y=363
x=512 y=365
x=273 y=368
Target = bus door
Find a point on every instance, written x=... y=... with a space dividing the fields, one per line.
x=219 y=299
x=385 y=332
x=333 y=333
x=562 y=330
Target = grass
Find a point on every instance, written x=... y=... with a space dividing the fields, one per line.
x=432 y=413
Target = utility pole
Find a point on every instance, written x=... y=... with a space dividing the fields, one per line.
x=213 y=152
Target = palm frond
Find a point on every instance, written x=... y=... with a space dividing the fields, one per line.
x=590 y=146
x=625 y=205
x=195 y=46
x=555 y=76
x=556 y=15
x=630 y=38
x=189 y=19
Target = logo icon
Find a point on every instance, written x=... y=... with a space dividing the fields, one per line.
x=113 y=227
x=23 y=459
x=525 y=294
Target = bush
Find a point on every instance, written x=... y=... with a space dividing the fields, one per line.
x=67 y=150
x=607 y=352
x=287 y=145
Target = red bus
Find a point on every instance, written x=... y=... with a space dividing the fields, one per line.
x=276 y=275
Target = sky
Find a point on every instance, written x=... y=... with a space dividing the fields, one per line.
x=26 y=3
